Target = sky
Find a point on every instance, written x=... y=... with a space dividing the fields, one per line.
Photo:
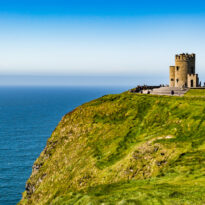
x=98 y=39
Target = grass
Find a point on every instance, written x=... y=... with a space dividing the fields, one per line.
x=196 y=92
x=125 y=149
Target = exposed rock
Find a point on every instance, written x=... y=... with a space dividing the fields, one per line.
x=30 y=188
x=36 y=168
x=159 y=163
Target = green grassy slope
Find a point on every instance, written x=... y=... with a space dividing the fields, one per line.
x=196 y=92
x=124 y=149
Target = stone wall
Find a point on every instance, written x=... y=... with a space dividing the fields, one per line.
x=192 y=80
x=172 y=76
x=181 y=70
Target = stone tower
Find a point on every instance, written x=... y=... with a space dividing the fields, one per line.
x=183 y=73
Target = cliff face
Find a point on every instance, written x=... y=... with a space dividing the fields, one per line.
x=122 y=149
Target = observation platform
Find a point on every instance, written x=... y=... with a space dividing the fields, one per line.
x=167 y=91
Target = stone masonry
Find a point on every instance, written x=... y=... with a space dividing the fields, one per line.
x=183 y=75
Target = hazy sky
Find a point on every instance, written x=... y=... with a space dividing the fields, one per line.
x=99 y=37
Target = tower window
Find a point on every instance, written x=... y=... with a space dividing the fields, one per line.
x=177 y=80
x=172 y=79
x=177 y=68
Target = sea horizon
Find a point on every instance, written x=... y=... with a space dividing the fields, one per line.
x=77 y=80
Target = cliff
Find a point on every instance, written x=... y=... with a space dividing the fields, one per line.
x=124 y=149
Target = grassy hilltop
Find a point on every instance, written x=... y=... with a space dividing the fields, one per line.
x=124 y=149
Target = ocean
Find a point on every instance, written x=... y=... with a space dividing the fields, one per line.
x=28 y=115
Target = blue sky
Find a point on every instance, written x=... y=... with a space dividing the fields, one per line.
x=101 y=7
x=99 y=38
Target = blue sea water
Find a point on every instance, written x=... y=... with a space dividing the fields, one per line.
x=28 y=115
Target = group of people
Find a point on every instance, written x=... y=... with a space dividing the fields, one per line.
x=148 y=92
x=139 y=88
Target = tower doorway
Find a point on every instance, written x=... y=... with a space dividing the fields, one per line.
x=192 y=83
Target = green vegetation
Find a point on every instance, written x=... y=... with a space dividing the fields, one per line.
x=196 y=92
x=124 y=149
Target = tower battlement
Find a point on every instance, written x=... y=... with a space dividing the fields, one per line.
x=185 y=57
x=192 y=75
